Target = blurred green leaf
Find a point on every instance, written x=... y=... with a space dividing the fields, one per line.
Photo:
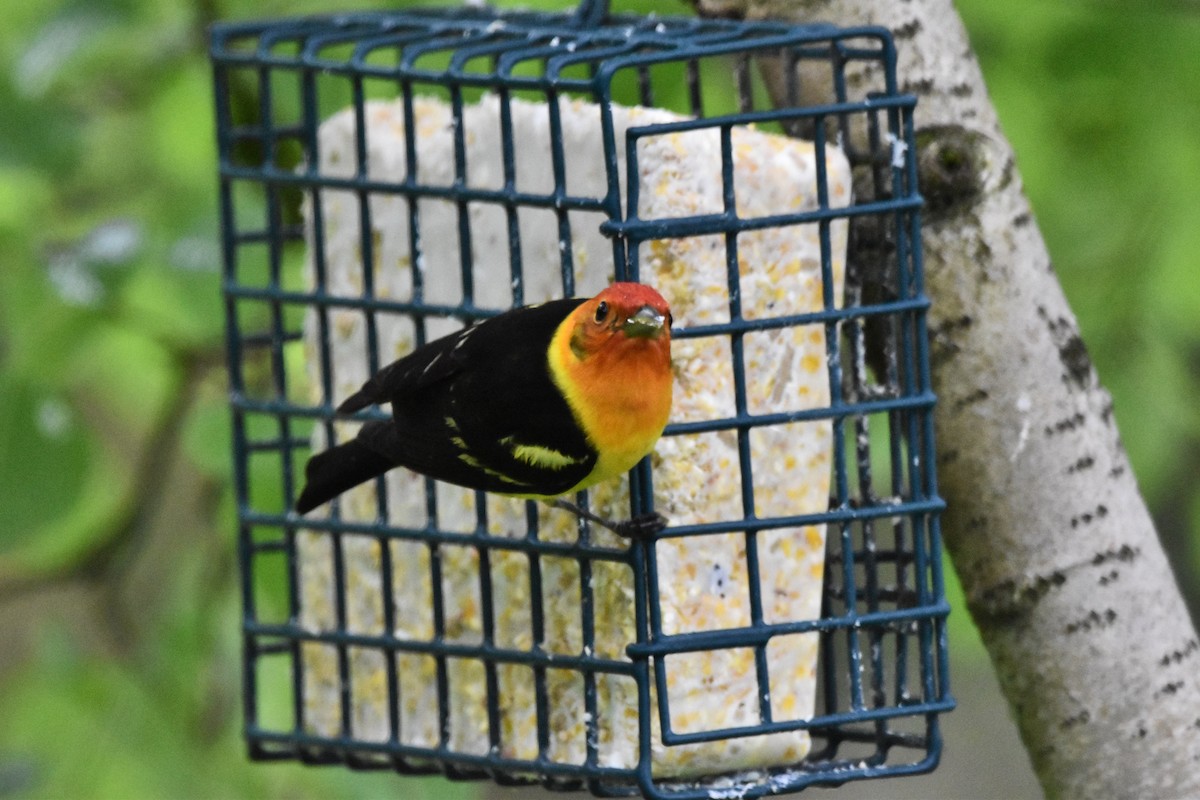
x=61 y=491
x=44 y=456
x=181 y=307
x=129 y=373
x=39 y=327
x=64 y=727
x=206 y=439
x=25 y=196
x=183 y=152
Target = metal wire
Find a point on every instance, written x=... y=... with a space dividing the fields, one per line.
x=882 y=679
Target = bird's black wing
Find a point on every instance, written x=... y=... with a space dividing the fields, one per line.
x=478 y=408
x=426 y=366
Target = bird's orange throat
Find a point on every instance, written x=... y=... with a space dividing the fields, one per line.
x=630 y=378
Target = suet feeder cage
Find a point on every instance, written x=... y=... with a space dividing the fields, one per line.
x=388 y=177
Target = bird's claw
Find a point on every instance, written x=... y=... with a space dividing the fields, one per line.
x=642 y=526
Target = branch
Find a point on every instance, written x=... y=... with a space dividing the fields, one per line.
x=1063 y=570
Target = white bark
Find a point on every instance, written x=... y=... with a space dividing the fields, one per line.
x=1064 y=572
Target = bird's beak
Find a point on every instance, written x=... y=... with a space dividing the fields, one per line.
x=645 y=324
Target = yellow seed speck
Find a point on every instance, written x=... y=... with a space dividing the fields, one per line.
x=814 y=536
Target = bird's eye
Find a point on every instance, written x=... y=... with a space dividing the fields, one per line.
x=601 y=311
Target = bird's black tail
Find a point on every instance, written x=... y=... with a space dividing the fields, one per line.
x=333 y=471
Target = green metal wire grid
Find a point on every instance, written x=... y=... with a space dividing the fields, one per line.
x=882 y=677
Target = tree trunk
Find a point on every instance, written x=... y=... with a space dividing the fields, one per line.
x=1063 y=570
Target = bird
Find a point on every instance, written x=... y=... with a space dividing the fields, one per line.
x=538 y=402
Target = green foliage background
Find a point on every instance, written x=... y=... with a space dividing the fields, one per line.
x=118 y=586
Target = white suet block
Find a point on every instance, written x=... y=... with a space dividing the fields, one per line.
x=697 y=478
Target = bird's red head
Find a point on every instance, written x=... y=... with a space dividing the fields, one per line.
x=624 y=317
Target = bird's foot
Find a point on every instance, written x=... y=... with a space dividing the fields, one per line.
x=643 y=526
x=640 y=527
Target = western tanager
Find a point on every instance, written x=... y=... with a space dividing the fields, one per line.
x=537 y=402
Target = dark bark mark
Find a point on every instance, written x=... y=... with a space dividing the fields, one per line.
x=951 y=325
x=917 y=87
x=1075 y=360
x=1094 y=619
x=941 y=337
x=1007 y=601
x=1112 y=575
x=1086 y=462
x=1022 y=219
x=1125 y=555
x=1082 y=718
x=1072 y=352
x=983 y=252
x=908 y=30
x=1006 y=174
x=1066 y=424
x=1178 y=656
x=977 y=396
x=1087 y=517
